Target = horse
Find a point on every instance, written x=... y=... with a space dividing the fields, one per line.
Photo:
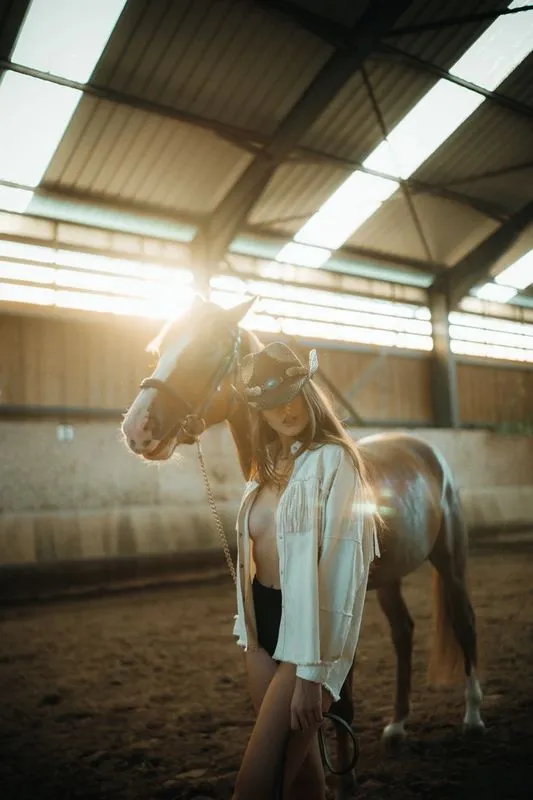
x=193 y=387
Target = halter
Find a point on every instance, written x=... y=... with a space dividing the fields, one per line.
x=194 y=423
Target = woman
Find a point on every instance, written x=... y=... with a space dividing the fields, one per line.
x=306 y=538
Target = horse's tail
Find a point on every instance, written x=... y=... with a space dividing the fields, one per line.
x=450 y=555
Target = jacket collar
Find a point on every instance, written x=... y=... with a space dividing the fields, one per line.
x=252 y=484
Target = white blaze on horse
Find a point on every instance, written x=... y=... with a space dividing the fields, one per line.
x=193 y=388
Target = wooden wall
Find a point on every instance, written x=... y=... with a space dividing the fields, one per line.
x=388 y=386
x=97 y=362
x=499 y=395
x=72 y=362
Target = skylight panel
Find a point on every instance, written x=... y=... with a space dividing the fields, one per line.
x=322 y=297
x=444 y=108
x=15 y=271
x=422 y=131
x=498 y=51
x=66 y=37
x=489 y=323
x=460 y=347
x=260 y=323
x=286 y=308
x=327 y=315
x=61 y=37
x=11 y=198
x=491 y=337
x=302 y=255
x=520 y=274
x=494 y=292
x=29 y=252
x=34 y=117
x=347 y=208
x=34 y=295
x=163 y=307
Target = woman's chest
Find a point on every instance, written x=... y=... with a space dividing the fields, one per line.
x=262 y=516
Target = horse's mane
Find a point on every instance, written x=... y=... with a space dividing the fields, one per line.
x=250 y=343
x=173 y=326
x=240 y=422
x=156 y=345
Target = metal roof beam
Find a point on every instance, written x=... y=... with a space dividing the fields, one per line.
x=265 y=242
x=416 y=186
x=476 y=265
x=523 y=166
x=237 y=136
x=440 y=72
x=233 y=211
x=335 y=34
x=404 y=185
x=447 y=22
x=248 y=140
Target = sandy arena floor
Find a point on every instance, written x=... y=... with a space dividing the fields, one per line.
x=141 y=695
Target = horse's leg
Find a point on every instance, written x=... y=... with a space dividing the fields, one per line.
x=393 y=605
x=344 y=708
x=454 y=613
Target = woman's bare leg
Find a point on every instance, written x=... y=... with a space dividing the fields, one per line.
x=271 y=690
x=309 y=782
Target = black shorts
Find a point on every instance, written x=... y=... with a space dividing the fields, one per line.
x=267 y=606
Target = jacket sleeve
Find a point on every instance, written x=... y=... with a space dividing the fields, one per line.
x=340 y=565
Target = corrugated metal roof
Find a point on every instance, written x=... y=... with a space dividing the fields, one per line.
x=492 y=139
x=295 y=192
x=510 y=191
x=519 y=84
x=450 y=230
x=391 y=230
x=442 y=46
x=522 y=245
x=131 y=155
x=246 y=65
x=349 y=126
x=338 y=11
x=226 y=60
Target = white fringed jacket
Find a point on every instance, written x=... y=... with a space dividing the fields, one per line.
x=326 y=540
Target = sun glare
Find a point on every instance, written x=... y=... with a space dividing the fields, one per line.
x=92 y=283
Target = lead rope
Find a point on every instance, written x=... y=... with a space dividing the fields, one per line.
x=327 y=715
x=218 y=522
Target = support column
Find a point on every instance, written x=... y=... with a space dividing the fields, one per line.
x=444 y=390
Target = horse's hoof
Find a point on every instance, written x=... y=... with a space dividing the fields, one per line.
x=475 y=730
x=394 y=735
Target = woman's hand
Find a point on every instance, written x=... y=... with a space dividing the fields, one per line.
x=307 y=705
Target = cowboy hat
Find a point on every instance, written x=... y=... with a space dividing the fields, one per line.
x=274 y=376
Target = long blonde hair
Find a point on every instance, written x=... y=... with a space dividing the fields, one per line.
x=323 y=427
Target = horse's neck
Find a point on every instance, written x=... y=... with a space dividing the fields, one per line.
x=239 y=421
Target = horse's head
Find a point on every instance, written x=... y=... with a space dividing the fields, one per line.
x=191 y=387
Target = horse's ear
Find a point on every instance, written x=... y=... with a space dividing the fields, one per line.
x=235 y=314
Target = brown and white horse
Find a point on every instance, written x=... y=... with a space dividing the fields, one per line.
x=191 y=389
